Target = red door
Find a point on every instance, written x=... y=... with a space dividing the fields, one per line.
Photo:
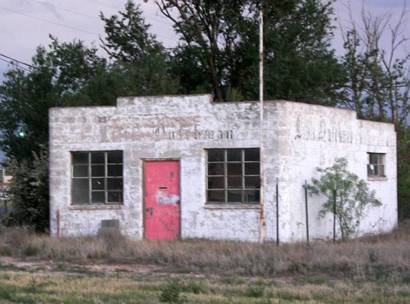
x=161 y=200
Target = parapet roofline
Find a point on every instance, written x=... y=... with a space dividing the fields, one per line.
x=125 y=101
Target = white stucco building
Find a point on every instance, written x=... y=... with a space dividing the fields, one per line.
x=185 y=167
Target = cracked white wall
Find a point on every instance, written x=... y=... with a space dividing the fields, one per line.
x=297 y=138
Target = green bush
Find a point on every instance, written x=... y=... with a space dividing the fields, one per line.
x=255 y=291
x=170 y=293
x=29 y=192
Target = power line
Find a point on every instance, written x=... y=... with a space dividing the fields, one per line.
x=48 y=21
x=16 y=60
x=66 y=9
x=11 y=62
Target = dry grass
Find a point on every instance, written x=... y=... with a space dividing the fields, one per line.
x=26 y=287
x=372 y=258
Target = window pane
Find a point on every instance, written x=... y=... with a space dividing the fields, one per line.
x=251 y=168
x=97 y=170
x=235 y=155
x=114 y=197
x=216 y=183
x=98 y=184
x=216 y=155
x=235 y=182
x=97 y=157
x=252 y=196
x=374 y=158
x=234 y=196
x=98 y=197
x=251 y=154
x=252 y=182
x=114 y=183
x=114 y=170
x=80 y=171
x=234 y=169
x=80 y=191
x=80 y=158
x=114 y=157
x=216 y=169
x=216 y=196
x=381 y=170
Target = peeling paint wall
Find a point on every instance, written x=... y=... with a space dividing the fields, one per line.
x=297 y=138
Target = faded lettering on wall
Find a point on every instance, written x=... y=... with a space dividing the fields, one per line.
x=323 y=131
x=157 y=128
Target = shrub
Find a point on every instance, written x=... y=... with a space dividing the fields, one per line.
x=347 y=196
x=29 y=192
x=170 y=293
x=255 y=291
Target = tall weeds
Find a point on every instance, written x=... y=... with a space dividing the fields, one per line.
x=372 y=257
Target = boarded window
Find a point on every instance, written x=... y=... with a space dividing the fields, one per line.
x=375 y=167
x=97 y=177
x=233 y=176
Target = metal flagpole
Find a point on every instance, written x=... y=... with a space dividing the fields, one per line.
x=261 y=119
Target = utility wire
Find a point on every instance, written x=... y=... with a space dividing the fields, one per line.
x=16 y=60
x=11 y=62
x=48 y=21
x=66 y=9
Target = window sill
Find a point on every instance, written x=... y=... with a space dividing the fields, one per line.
x=231 y=206
x=377 y=178
x=95 y=207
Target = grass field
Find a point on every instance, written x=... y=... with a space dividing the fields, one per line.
x=81 y=286
x=39 y=269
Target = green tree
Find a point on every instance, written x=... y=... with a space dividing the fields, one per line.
x=352 y=196
x=65 y=74
x=29 y=192
x=60 y=77
x=139 y=59
x=220 y=38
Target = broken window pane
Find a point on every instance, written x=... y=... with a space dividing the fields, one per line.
x=98 y=184
x=230 y=172
x=375 y=167
x=216 y=155
x=99 y=178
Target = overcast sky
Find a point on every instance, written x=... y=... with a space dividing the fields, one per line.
x=25 y=24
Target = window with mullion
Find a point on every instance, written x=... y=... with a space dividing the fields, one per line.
x=233 y=176
x=97 y=177
x=375 y=167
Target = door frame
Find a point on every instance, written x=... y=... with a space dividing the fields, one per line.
x=146 y=160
